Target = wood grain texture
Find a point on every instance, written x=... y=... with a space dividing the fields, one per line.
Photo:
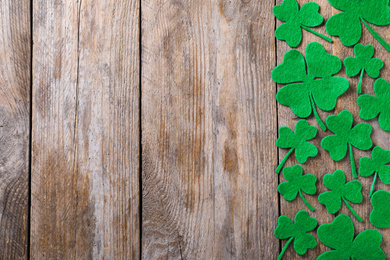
x=323 y=164
x=15 y=74
x=208 y=130
x=85 y=140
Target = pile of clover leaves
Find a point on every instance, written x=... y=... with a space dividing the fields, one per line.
x=309 y=84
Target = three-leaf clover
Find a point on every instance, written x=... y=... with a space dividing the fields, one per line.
x=380 y=214
x=363 y=63
x=297 y=141
x=378 y=165
x=347 y=25
x=346 y=136
x=316 y=86
x=297 y=19
x=340 y=191
x=340 y=236
x=297 y=231
x=379 y=106
x=297 y=183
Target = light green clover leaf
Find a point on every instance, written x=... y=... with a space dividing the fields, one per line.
x=297 y=231
x=297 y=19
x=380 y=214
x=316 y=86
x=379 y=106
x=297 y=141
x=297 y=183
x=378 y=165
x=340 y=236
x=363 y=63
x=346 y=136
x=347 y=24
x=340 y=191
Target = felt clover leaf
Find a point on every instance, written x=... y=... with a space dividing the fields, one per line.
x=378 y=165
x=297 y=141
x=340 y=191
x=316 y=86
x=346 y=136
x=380 y=214
x=347 y=25
x=297 y=231
x=297 y=183
x=363 y=63
x=340 y=236
x=379 y=106
x=297 y=19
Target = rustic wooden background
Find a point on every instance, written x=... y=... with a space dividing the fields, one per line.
x=146 y=129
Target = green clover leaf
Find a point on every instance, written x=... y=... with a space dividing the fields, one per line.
x=347 y=24
x=316 y=86
x=297 y=231
x=297 y=183
x=363 y=63
x=339 y=235
x=379 y=106
x=378 y=165
x=380 y=214
x=297 y=141
x=296 y=20
x=346 y=136
x=340 y=191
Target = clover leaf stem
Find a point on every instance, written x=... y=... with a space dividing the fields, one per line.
x=280 y=166
x=285 y=248
x=359 y=89
x=373 y=184
x=353 y=166
x=352 y=210
x=319 y=121
x=306 y=202
x=376 y=35
x=317 y=33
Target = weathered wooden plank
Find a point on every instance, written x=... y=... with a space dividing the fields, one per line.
x=208 y=130
x=323 y=164
x=85 y=154
x=15 y=64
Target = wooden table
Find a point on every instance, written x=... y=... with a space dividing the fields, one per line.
x=146 y=129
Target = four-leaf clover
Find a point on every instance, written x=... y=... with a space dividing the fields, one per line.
x=297 y=19
x=316 y=86
x=340 y=236
x=297 y=141
x=363 y=63
x=297 y=183
x=379 y=106
x=297 y=231
x=347 y=25
x=340 y=191
x=346 y=136
x=378 y=165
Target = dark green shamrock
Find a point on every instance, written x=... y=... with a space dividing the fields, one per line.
x=346 y=136
x=297 y=183
x=380 y=214
x=297 y=141
x=347 y=25
x=340 y=191
x=363 y=63
x=296 y=20
x=297 y=231
x=340 y=236
x=378 y=165
x=379 y=106
x=316 y=86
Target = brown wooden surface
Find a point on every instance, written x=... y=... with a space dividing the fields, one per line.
x=15 y=73
x=153 y=130
x=85 y=139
